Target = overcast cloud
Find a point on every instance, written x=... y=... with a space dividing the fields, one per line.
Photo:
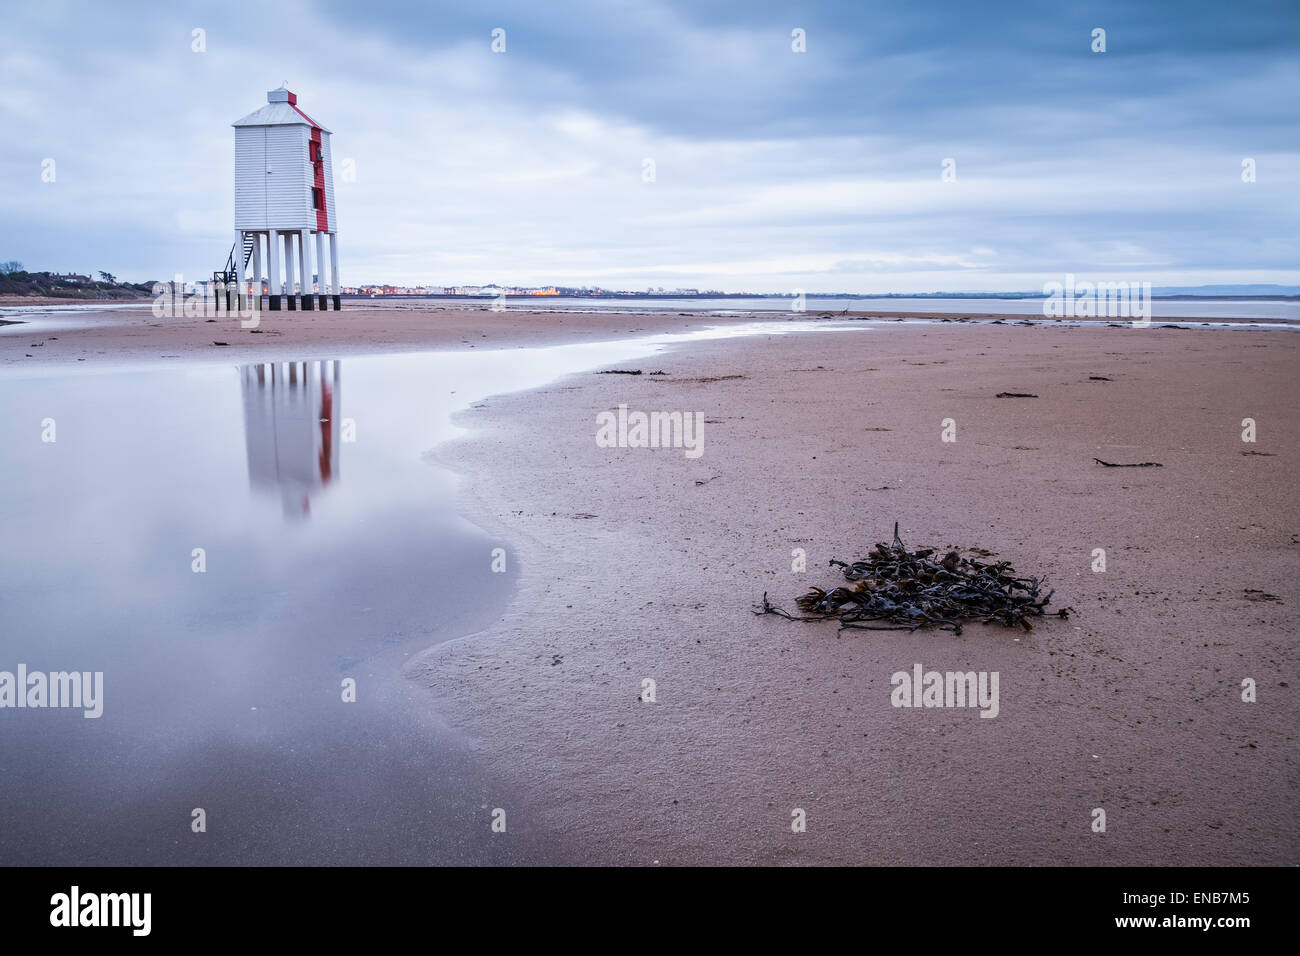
x=774 y=170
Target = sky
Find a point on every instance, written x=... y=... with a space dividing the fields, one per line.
x=647 y=144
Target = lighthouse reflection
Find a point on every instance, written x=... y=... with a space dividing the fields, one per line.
x=291 y=430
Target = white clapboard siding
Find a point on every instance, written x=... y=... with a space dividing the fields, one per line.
x=250 y=177
x=273 y=178
x=288 y=185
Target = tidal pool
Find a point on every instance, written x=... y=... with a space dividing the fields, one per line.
x=229 y=546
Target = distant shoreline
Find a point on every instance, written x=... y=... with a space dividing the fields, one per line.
x=17 y=300
x=652 y=296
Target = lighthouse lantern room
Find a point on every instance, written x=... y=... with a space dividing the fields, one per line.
x=284 y=206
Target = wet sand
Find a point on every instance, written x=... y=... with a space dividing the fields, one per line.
x=640 y=563
x=131 y=335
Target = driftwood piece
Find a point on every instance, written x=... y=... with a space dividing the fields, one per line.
x=1139 y=464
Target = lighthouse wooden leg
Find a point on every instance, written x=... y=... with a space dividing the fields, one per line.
x=257 y=271
x=320 y=271
x=288 y=270
x=273 y=267
x=334 y=269
x=234 y=294
x=302 y=270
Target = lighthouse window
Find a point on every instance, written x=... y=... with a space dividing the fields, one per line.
x=317 y=198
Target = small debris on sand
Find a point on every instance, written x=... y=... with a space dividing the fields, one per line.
x=706 y=379
x=1140 y=464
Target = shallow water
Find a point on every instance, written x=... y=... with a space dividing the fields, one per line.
x=331 y=551
x=1275 y=309
x=37 y=320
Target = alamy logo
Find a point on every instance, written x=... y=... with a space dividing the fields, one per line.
x=102 y=909
x=206 y=299
x=1071 y=299
x=950 y=689
x=651 y=430
x=74 y=689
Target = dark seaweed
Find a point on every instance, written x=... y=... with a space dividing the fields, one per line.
x=907 y=590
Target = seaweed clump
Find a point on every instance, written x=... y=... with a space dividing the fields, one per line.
x=895 y=589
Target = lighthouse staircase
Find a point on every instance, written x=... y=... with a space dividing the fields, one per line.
x=227 y=278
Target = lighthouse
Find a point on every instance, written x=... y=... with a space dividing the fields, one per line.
x=284 y=207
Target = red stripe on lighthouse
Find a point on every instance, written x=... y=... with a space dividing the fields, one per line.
x=318 y=168
x=293 y=105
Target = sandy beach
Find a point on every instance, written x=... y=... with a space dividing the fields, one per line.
x=131 y=334
x=640 y=563
x=643 y=563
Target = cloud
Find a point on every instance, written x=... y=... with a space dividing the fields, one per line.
x=773 y=169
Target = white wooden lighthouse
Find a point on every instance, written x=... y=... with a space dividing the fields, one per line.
x=284 y=196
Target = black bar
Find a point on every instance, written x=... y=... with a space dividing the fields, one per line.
x=925 y=906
